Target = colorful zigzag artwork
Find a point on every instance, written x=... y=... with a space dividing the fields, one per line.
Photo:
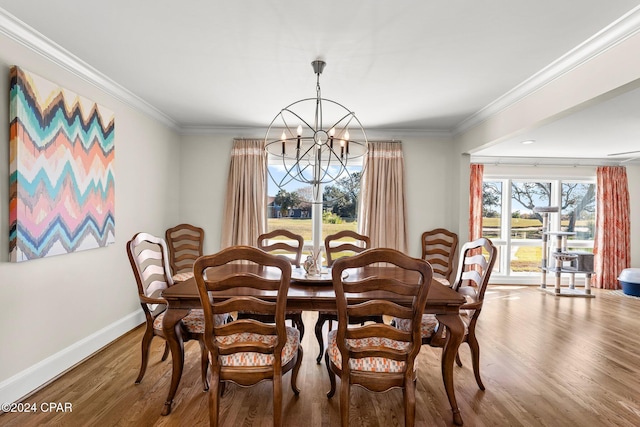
x=61 y=184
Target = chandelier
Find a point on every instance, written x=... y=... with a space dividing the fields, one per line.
x=315 y=141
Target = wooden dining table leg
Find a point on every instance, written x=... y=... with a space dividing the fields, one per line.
x=455 y=331
x=176 y=345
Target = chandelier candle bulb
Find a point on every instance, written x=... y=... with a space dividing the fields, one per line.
x=283 y=138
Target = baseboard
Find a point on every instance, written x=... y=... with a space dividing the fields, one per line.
x=25 y=382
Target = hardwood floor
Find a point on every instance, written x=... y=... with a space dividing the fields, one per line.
x=545 y=361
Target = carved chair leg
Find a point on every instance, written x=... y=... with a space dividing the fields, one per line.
x=299 y=324
x=294 y=372
x=475 y=358
x=345 y=389
x=214 y=397
x=318 y=331
x=409 y=404
x=146 y=345
x=277 y=400
x=332 y=376
x=458 y=361
x=204 y=363
x=167 y=350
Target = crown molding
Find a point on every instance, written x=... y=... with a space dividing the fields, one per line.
x=611 y=35
x=259 y=132
x=573 y=162
x=22 y=33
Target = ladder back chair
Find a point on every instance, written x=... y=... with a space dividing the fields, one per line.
x=247 y=351
x=148 y=258
x=377 y=356
x=341 y=244
x=185 y=243
x=474 y=271
x=284 y=242
x=439 y=249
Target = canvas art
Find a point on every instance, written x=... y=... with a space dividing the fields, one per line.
x=62 y=185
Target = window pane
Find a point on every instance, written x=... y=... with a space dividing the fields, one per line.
x=492 y=209
x=340 y=203
x=578 y=209
x=525 y=223
x=526 y=259
x=290 y=208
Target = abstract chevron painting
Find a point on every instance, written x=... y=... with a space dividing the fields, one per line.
x=61 y=183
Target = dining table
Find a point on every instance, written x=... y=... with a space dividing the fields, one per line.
x=314 y=293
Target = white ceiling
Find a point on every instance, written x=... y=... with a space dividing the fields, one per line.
x=412 y=64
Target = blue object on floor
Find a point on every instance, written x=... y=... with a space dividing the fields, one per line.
x=630 y=280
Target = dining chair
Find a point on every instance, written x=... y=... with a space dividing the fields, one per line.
x=284 y=242
x=185 y=243
x=148 y=258
x=474 y=271
x=377 y=356
x=341 y=244
x=247 y=351
x=439 y=249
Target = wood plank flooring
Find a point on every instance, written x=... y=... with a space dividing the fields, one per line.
x=545 y=361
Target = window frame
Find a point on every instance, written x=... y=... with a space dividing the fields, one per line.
x=503 y=272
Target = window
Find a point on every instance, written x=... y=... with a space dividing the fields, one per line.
x=291 y=207
x=510 y=221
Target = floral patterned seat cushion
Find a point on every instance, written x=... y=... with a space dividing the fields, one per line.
x=259 y=359
x=194 y=321
x=181 y=277
x=369 y=364
x=429 y=323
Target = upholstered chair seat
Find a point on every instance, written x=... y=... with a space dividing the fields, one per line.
x=181 y=277
x=193 y=322
x=247 y=359
x=427 y=327
x=368 y=364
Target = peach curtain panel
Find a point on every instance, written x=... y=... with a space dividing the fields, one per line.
x=611 y=246
x=246 y=202
x=383 y=214
x=475 y=201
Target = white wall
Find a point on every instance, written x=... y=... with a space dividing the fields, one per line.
x=58 y=310
x=431 y=187
x=204 y=168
